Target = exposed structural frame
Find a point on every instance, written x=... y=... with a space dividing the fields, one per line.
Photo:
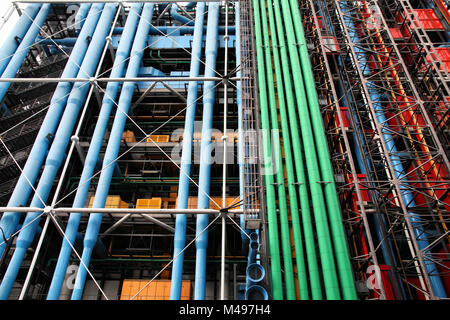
x=395 y=178
x=52 y=211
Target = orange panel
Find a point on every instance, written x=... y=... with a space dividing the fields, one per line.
x=155 y=290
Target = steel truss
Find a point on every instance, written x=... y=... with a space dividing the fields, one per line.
x=370 y=65
x=424 y=64
x=57 y=212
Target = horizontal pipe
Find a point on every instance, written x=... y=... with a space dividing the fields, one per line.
x=100 y=1
x=124 y=210
x=136 y=79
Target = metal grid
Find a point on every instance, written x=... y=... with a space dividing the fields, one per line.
x=373 y=67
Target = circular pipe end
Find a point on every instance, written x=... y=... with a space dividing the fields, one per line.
x=256 y=292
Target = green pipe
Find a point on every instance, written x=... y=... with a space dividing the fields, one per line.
x=334 y=212
x=278 y=162
x=310 y=243
x=274 y=249
x=323 y=235
x=300 y=259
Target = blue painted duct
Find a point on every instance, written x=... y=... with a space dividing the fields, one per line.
x=201 y=243
x=185 y=170
x=19 y=56
x=81 y=16
x=11 y=43
x=112 y=149
x=399 y=171
x=256 y=292
x=56 y=154
x=255 y=273
x=92 y=156
x=178 y=17
x=244 y=233
x=44 y=138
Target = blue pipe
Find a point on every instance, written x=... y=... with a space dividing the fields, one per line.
x=190 y=5
x=182 y=30
x=256 y=292
x=245 y=232
x=112 y=149
x=56 y=154
x=255 y=273
x=174 y=13
x=379 y=218
x=43 y=140
x=201 y=243
x=92 y=157
x=408 y=198
x=16 y=61
x=11 y=43
x=185 y=169
x=253 y=248
x=172 y=30
x=81 y=16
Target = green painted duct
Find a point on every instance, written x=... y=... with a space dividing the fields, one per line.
x=323 y=235
x=273 y=238
x=310 y=242
x=290 y=172
x=278 y=161
x=334 y=212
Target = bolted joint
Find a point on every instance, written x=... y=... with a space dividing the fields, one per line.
x=75 y=139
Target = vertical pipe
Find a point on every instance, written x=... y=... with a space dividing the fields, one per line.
x=13 y=39
x=112 y=149
x=42 y=142
x=244 y=231
x=322 y=227
x=183 y=185
x=310 y=242
x=332 y=201
x=58 y=148
x=117 y=71
x=22 y=50
x=201 y=242
x=294 y=208
x=278 y=161
x=225 y=144
x=274 y=249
